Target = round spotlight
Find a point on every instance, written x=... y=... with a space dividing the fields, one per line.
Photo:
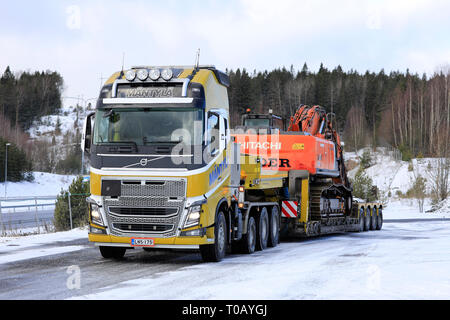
x=142 y=74
x=155 y=74
x=130 y=75
x=167 y=74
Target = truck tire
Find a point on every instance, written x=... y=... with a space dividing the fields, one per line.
x=379 y=219
x=373 y=219
x=262 y=236
x=362 y=221
x=367 y=219
x=249 y=239
x=274 y=227
x=112 y=252
x=216 y=252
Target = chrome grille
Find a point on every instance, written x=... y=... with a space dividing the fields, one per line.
x=174 y=188
x=143 y=211
x=146 y=207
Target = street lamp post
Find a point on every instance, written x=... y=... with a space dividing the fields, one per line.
x=6 y=166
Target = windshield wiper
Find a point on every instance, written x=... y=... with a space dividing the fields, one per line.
x=145 y=141
x=168 y=142
x=134 y=144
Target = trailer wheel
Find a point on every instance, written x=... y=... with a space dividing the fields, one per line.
x=112 y=252
x=262 y=236
x=274 y=226
x=216 y=252
x=373 y=219
x=361 y=219
x=367 y=219
x=379 y=219
x=249 y=239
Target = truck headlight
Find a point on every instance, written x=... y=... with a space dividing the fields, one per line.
x=193 y=217
x=96 y=216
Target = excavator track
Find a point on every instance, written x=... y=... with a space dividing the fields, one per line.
x=318 y=212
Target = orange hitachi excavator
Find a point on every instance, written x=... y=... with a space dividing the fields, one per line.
x=315 y=121
x=310 y=148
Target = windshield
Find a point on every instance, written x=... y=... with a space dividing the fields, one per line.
x=145 y=126
x=261 y=122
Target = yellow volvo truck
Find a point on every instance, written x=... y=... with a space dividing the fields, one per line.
x=162 y=173
x=166 y=173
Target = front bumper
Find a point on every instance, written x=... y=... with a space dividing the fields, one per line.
x=168 y=243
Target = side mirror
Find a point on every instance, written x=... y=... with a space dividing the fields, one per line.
x=214 y=153
x=86 y=137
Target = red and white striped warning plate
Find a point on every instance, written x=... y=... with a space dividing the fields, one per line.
x=289 y=209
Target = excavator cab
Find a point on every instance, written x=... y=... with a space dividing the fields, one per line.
x=267 y=122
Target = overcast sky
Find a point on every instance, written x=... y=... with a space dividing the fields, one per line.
x=85 y=40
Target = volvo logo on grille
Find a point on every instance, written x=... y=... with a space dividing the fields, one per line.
x=143 y=162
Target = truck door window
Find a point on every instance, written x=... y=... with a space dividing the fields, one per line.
x=213 y=133
x=222 y=131
x=226 y=132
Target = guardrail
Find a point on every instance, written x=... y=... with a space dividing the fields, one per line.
x=22 y=220
x=19 y=220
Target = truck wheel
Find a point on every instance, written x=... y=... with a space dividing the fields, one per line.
x=112 y=252
x=380 y=219
x=373 y=219
x=216 y=252
x=263 y=230
x=249 y=239
x=274 y=226
x=361 y=219
x=367 y=219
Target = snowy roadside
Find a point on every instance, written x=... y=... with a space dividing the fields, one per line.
x=409 y=209
x=14 y=248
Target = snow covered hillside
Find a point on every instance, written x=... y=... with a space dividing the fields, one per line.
x=56 y=140
x=67 y=120
x=44 y=184
x=391 y=175
x=394 y=178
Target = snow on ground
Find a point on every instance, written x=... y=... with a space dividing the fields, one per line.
x=409 y=209
x=407 y=260
x=22 y=248
x=403 y=261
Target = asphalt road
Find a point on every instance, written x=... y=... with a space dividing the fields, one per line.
x=27 y=219
x=49 y=276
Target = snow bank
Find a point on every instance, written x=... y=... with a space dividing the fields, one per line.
x=25 y=247
x=9 y=244
x=409 y=209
